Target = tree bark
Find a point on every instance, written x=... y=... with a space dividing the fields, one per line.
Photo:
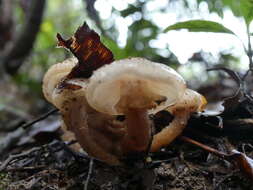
x=22 y=45
x=6 y=22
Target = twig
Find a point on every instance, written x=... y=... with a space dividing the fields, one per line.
x=231 y=73
x=238 y=159
x=11 y=157
x=28 y=168
x=224 y=179
x=249 y=53
x=158 y=162
x=243 y=147
x=14 y=137
x=89 y=174
x=246 y=74
x=23 y=154
x=25 y=126
x=205 y=147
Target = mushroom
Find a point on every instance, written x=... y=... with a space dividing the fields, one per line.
x=97 y=133
x=133 y=88
x=93 y=93
x=189 y=103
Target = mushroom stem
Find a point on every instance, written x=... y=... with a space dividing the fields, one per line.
x=168 y=134
x=138 y=128
x=189 y=103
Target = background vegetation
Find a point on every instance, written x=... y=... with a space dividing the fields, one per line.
x=129 y=28
x=199 y=38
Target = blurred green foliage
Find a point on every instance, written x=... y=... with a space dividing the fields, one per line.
x=59 y=16
x=64 y=16
x=239 y=7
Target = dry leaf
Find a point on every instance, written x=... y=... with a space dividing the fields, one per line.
x=243 y=162
x=88 y=49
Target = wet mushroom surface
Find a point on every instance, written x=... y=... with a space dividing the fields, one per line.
x=132 y=87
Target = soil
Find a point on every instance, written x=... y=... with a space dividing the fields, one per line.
x=52 y=165
x=180 y=166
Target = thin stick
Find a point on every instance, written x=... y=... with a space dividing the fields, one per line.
x=25 y=126
x=205 y=147
x=249 y=53
x=89 y=174
x=28 y=168
x=11 y=157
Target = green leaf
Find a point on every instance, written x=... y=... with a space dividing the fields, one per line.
x=242 y=8
x=130 y=10
x=200 y=26
x=247 y=10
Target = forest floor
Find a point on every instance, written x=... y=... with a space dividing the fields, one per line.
x=180 y=166
x=33 y=156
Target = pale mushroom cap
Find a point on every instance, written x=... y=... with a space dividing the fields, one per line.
x=134 y=83
x=54 y=75
x=191 y=101
x=53 y=78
